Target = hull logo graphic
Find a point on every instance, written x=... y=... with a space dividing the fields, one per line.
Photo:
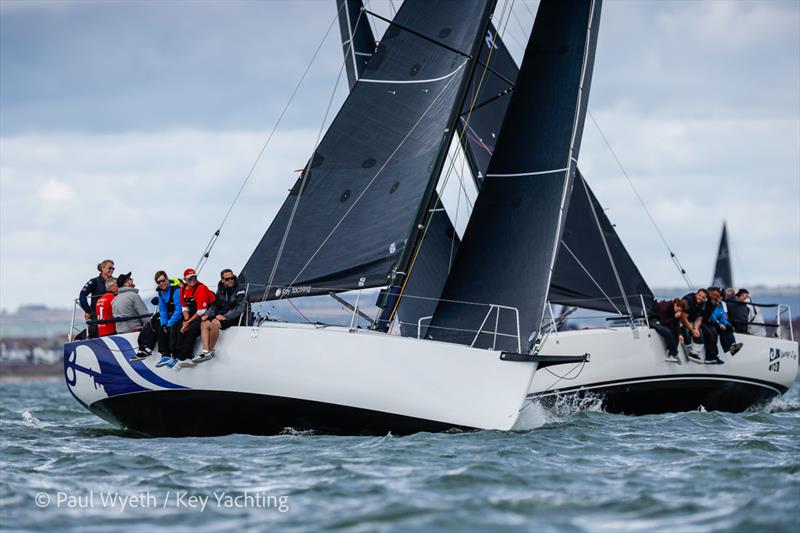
x=776 y=355
x=775 y=359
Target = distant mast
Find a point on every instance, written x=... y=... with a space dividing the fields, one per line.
x=722 y=271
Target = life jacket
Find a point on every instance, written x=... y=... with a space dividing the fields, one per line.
x=103 y=309
x=197 y=299
x=167 y=297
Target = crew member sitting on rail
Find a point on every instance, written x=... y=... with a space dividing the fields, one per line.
x=170 y=317
x=90 y=293
x=195 y=300
x=665 y=318
x=755 y=320
x=128 y=304
x=698 y=313
x=224 y=312
x=737 y=313
x=719 y=321
x=103 y=309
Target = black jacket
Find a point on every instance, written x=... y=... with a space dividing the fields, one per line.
x=695 y=310
x=663 y=312
x=738 y=315
x=95 y=287
x=230 y=302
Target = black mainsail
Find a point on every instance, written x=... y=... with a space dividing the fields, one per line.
x=723 y=277
x=584 y=273
x=509 y=248
x=348 y=218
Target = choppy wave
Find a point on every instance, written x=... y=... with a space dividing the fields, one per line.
x=558 y=409
x=569 y=466
x=781 y=404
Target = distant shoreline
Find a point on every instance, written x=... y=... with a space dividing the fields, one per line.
x=23 y=372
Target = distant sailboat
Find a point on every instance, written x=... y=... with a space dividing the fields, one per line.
x=722 y=269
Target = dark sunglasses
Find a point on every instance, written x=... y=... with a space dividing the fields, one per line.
x=228 y=279
x=110 y=268
x=160 y=281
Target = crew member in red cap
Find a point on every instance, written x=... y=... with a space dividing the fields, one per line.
x=195 y=299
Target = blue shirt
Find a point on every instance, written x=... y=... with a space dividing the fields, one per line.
x=718 y=315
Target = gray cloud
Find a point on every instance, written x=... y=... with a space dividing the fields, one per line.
x=126 y=128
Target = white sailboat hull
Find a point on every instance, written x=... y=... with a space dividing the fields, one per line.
x=300 y=376
x=629 y=373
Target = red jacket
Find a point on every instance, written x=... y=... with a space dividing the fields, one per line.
x=196 y=300
x=103 y=309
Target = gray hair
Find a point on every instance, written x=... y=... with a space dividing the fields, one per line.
x=110 y=282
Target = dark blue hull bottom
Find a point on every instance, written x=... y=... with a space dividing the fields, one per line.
x=674 y=395
x=194 y=413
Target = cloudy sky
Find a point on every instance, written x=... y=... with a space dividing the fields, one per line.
x=126 y=128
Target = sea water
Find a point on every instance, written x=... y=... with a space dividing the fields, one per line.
x=569 y=468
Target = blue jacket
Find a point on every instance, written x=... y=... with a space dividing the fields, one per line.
x=166 y=299
x=718 y=315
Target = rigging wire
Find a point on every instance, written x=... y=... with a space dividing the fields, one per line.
x=304 y=177
x=608 y=250
x=672 y=255
x=586 y=271
x=213 y=240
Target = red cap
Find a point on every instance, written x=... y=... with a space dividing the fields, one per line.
x=189 y=272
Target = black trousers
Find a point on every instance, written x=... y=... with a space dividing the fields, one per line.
x=149 y=334
x=710 y=335
x=169 y=339
x=669 y=337
x=187 y=340
x=726 y=338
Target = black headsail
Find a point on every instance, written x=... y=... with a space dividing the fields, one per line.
x=510 y=245
x=478 y=124
x=584 y=273
x=372 y=175
x=354 y=28
x=722 y=270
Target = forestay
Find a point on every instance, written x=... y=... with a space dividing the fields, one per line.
x=509 y=247
x=357 y=201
